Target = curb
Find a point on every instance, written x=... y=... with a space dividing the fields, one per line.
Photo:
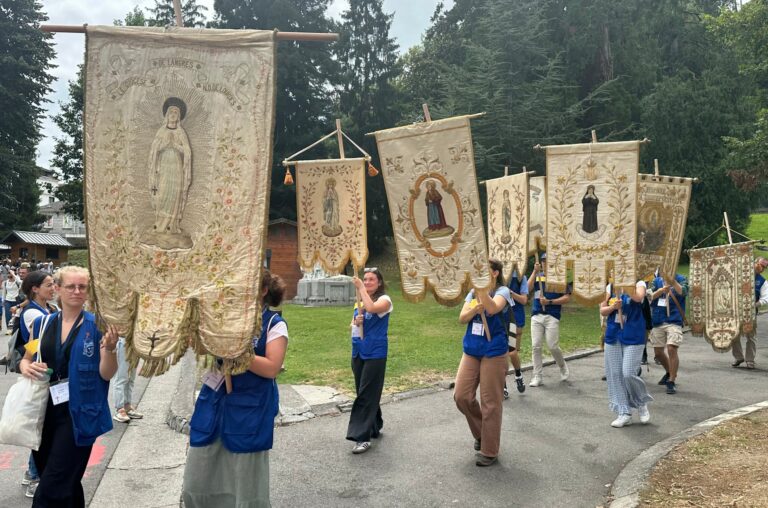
x=183 y=401
x=633 y=478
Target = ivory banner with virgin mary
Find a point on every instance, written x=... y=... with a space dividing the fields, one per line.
x=591 y=216
x=178 y=144
x=661 y=217
x=722 y=294
x=508 y=222
x=330 y=204
x=429 y=175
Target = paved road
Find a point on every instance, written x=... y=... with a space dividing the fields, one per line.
x=557 y=447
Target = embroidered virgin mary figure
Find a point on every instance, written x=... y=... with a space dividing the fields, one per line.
x=170 y=171
x=507 y=200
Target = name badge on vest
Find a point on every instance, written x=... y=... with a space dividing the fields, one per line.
x=512 y=329
x=355 y=332
x=477 y=328
x=662 y=302
x=88 y=346
x=213 y=380
x=60 y=393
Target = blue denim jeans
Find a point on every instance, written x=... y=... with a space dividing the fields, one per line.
x=32 y=468
x=124 y=379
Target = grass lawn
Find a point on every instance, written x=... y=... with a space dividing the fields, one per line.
x=757 y=230
x=424 y=342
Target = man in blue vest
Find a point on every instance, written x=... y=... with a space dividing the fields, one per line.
x=668 y=314
x=761 y=298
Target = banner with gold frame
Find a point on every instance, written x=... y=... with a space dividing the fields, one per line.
x=330 y=204
x=429 y=176
x=537 y=213
x=591 y=216
x=507 y=199
x=722 y=294
x=662 y=203
x=178 y=147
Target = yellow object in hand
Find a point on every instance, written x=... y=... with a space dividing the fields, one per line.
x=473 y=303
x=32 y=346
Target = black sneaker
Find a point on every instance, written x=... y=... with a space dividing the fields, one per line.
x=664 y=379
x=520 y=384
x=671 y=389
x=506 y=392
x=483 y=461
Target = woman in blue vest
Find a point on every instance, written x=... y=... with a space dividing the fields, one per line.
x=518 y=290
x=39 y=288
x=369 y=359
x=231 y=433
x=484 y=363
x=623 y=352
x=82 y=362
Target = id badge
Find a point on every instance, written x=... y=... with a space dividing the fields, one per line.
x=60 y=393
x=662 y=302
x=617 y=319
x=537 y=294
x=512 y=329
x=355 y=332
x=213 y=380
x=477 y=328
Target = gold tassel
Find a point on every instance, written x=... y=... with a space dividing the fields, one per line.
x=372 y=171
x=288 y=177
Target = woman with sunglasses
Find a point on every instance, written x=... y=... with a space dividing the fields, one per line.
x=484 y=363
x=369 y=358
x=80 y=361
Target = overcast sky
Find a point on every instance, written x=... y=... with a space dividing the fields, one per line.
x=411 y=19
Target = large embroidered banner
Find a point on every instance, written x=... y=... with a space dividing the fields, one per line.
x=537 y=214
x=178 y=144
x=330 y=200
x=591 y=216
x=722 y=294
x=508 y=221
x=662 y=203
x=429 y=175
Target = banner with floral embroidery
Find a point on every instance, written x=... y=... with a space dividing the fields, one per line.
x=591 y=216
x=507 y=200
x=429 y=175
x=537 y=214
x=722 y=294
x=330 y=201
x=662 y=213
x=178 y=144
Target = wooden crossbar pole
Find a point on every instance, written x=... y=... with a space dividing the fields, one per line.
x=594 y=136
x=340 y=139
x=427 y=116
x=177 y=12
x=280 y=36
x=728 y=228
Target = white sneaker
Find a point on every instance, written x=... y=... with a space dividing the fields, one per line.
x=564 y=372
x=361 y=447
x=536 y=381
x=645 y=415
x=622 y=421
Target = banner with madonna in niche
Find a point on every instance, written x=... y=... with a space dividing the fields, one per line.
x=429 y=175
x=537 y=214
x=178 y=144
x=591 y=216
x=330 y=201
x=722 y=294
x=662 y=213
x=508 y=222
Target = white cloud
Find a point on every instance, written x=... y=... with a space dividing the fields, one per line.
x=410 y=21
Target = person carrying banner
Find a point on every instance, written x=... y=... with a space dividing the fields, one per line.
x=668 y=316
x=761 y=298
x=518 y=290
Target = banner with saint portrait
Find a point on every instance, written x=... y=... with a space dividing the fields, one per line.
x=662 y=203
x=507 y=200
x=429 y=175
x=722 y=294
x=591 y=216
x=330 y=204
x=537 y=214
x=178 y=144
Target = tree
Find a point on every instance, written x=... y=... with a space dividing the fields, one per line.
x=133 y=18
x=68 y=151
x=192 y=13
x=368 y=99
x=306 y=76
x=25 y=58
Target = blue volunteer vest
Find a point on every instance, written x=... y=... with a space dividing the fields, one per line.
x=659 y=314
x=634 y=322
x=517 y=313
x=759 y=281
x=479 y=345
x=22 y=328
x=244 y=418
x=612 y=328
x=374 y=344
x=88 y=392
x=551 y=310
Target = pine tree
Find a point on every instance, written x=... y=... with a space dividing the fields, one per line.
x=162 y=14
x=68 y=151
x=25 y=56
x=368 y=98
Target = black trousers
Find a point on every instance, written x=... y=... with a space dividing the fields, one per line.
x=60 y=462
x=365 y=420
